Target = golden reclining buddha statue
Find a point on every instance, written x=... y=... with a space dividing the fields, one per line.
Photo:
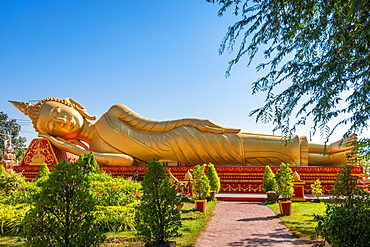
x=121 y=137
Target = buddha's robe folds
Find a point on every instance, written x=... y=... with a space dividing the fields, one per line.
x=187 y=144
x=183 y=144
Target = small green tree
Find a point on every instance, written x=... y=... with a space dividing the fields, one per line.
x=316 y=189
x=345 y=186
x=348 y=213
x=201 y=187
x=43 y=174
x=62 y=214
x=284 y=180
x=214 y=179
x=269 y=182
x=9 y=128
x=157 y=219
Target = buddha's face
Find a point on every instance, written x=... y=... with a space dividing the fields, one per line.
x=57 y=119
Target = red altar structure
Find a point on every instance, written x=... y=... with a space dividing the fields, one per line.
x=234 y=179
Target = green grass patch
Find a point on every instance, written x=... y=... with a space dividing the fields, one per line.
x=301 y=222
x=193 y=223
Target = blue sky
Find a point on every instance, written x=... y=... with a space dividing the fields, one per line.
x=160 y=58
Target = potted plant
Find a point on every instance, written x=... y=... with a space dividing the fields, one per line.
x=201 y=188
x=214 y=181
x=316 y=190
x=284 y=180
x=157 y=217
x=269 y=184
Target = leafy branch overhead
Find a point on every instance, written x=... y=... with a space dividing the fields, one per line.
x=320 y=47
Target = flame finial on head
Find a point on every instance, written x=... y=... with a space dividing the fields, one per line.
x=22 y=106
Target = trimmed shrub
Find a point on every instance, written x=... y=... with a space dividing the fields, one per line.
x=316 y=189
x=201 y=188
x=214 y=180
x=348 y=214
x=157 y=218
x=269 y=182
x=284 y=181
x=63 y=211
x=43 y=174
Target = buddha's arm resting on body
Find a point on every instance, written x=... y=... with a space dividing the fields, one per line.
x=108 y=159
x=125 y=114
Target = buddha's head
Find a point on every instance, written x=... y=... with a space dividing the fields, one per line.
x=56 y=117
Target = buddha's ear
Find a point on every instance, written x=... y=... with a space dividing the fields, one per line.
x=80 y=109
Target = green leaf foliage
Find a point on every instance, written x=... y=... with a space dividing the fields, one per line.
x=88 y=163
x=43 y=173
x=316 y=60
x=214 y=180
x=10 y=128
x=345 y=186
x=201 y=187
x=316 y=189
x=346 y=222
x=24 y=193
x=11 y=218
x=115 y=218
x=2 y=169
x=62 y=213
x=284 y=181
x=11 y=181
x=269 y=182
x=116 y=192
x=157 y=218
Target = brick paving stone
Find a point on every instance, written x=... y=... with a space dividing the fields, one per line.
x=247 y=224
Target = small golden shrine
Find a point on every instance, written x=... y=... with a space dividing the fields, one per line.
x=8 y=158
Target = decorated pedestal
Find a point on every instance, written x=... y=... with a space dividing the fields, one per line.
x=298 y=195
x=298 y=186
x=234 y=179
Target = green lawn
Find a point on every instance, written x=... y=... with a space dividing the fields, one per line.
x=301 y=222
x=193 y=223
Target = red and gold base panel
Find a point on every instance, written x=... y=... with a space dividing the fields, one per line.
x=234 y=179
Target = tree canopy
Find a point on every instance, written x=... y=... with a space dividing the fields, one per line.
x=10 y=127
x=320 y=47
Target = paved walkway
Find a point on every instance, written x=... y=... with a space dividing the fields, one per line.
x=248 y=224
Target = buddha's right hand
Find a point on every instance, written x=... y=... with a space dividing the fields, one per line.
x=108 y=159
x=63 y=144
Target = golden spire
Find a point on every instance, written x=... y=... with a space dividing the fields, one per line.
x=22 y=106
